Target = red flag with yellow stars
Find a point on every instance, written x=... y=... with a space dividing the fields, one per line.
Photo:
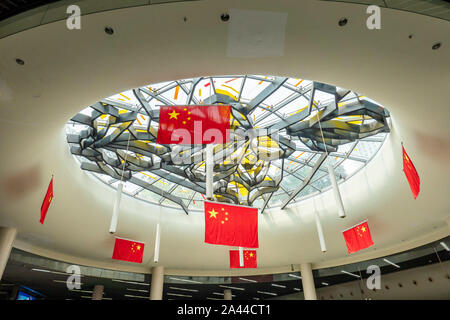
x=128 y=250
x=231 y=225
x=358 y=237
x=249 y=259
x=194 y=124
x=411 y=174
x=47 y=200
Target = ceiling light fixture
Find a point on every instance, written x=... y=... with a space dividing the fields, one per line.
x=325 y=284
x=137 y=290
x=436 y=46
x=269 y=293
x=20 y=62
x=208 y=298
x=234 y=288
x=64 y=281
x=350 y=274
x=185 y=280
x=277 y=285
x=183 y=289
x=132 y=282
x=49 y=271
x=249 y=280
x=297 y=289
x=225 y=17
x=294 y=276
x=109 y=30
x=133 y=296
x=342 y=22
x=444 y=245
x=390 y=262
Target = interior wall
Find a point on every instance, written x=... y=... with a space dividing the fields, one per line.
x=430 y=282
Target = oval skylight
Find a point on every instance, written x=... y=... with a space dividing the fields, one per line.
x=301 y=125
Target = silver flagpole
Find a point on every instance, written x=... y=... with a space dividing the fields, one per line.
x=209 y=164
x=319 y=228
x=115 y=215
x=337 y=194
x=241 y=256
x=157 y=241
x=320 y=232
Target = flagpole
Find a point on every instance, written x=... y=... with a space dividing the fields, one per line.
x=337 y=194
x=157 y=241
x=157 y=238
x=115 y=215
x=319 y=229
x=209 y=166
x=241 y=256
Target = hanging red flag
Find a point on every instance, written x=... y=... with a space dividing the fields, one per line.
x=128 y=250
x=47 y=200
x=411 y=174
x=231 y=225
x=194 y=124
x=249 y=259
x=358 y=237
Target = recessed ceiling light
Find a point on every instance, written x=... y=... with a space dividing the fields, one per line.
x=350 y=274
x=436 y=46
x=277 y=285
x=185 y=280
x=228 y=287
x=444 y=245
x=294 y=276
x=342 y=22
x=109 y=30
x=137 y=290
x=325 y=284
x=249 y=280
x=132 y=282
x=391 y=263
x=183 y=289
x=133 y=296
x=269 y=293
x=225 y=17
x=20 y=62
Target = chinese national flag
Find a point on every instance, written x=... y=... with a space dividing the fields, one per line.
x=128 y=250
x=249 y=259
x=194 y=124
x=358 y=237
x=47 y=200
x=231 y=225
x=411 y=174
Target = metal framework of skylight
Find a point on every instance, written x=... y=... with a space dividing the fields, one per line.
x=282 y=113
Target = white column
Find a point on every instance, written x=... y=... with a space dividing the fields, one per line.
x=156 y=287
x=97 y=293
x=308 y=281
x=7 y=237
x=227 y=294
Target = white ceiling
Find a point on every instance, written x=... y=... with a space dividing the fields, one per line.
x=66 y=71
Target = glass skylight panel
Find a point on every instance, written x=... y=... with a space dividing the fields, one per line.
x=275 y=109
